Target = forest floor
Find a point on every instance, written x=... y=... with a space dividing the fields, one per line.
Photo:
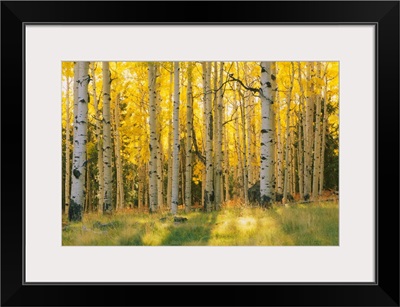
x=295 y=225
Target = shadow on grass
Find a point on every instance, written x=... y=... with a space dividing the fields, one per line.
x=314 y=226
x=195 y=232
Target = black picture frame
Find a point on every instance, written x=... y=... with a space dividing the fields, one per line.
x=383 y=14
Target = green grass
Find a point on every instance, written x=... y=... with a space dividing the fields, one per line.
x=297 y=225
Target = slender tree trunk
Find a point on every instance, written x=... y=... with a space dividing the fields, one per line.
x=107 y=149
x=279 y=151
x=146 y=193
x=239 y=168
x=189 y=141
x=317 y=140
x=267 y=133
x=309 y=131
x=292 y=161
x=226 y=163
x=153 y=146
x=255 y=141
x=99 y=142
x=160 y=188
x=209 y=189
x=238 y=147
x=169 y=176
x=141 y=179
x=237 y=142
x=67 y=152
x=76 y=87
x=88 y=192
x=300 y=153
x=324 y=123
x=273 y=72
x=250 y=129
x=153 y=193
x=242 y=154
x=182 y=163
x=245 y=168
x=118 y=160
x=214 y=70
x=175 y=154
x=287 y=149
x=80 y=138
x=218 y=149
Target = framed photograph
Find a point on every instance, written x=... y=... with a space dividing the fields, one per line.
x=296 y=105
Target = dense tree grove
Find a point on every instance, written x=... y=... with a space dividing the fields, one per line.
x=169 y=135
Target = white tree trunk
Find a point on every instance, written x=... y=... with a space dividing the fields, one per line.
x=218 y=149
x=287 y=148
x=292 y=189
x=175 y=154
x=250 y=131
x=169 y=150
x=244 y=154
x=182 y=172
x=189 y=141
x=209 y=189
x=67 y=152
x=317 y=141
x=309 y=133
x=267 y=134
x=272 y=124
x=99 y=142
x=242 y=149
x=107 y=147
x=160 y=189
x=226 y=162
x=279 y=151
x=153 y=188
x=300 y=153
x=76 y=87
x=88 y=202
x=118 y=159
x=80 y=138
x=238 y=147
x=323 y=132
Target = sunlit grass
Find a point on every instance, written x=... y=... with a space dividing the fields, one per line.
x=306 y=225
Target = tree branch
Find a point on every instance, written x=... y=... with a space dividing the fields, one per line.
x=197 y=152
x=254 y=90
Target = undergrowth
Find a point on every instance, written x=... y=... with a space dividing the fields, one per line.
x=296 y=225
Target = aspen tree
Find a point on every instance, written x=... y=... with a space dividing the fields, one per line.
x=209 y=188
x=160 y=194
x=176 y=147
x=189 y=140
x=107 y=149
x=67 y=151
x=80 y=139
x=323 y=132
x=99 y=142
x=267 y=132
x=169 y=151
x=218 y=147
x=153 y=193
x=287 y=137
x=118 y=160
x=317 y=139
x=279 y=149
